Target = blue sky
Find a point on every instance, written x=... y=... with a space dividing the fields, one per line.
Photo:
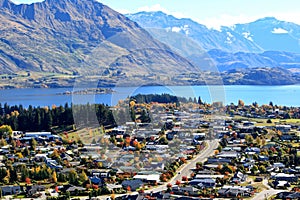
x=212 y=13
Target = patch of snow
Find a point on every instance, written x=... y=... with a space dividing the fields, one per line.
x=229 y=38
x=229 y=35
x=247 y=35
x=186 y=29
x=176 y=29
x=279 y=31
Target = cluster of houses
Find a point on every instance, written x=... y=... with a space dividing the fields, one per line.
x=133 y=156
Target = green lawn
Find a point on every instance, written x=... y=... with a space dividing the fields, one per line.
x=85 y=135
x=263 y=122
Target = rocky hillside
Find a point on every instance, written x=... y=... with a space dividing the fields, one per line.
x=79 y=37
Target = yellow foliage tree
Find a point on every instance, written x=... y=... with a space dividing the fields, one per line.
x=19 y=155
x=54 y=176
x=5 y=131
x=83 y=177
x=132 y=104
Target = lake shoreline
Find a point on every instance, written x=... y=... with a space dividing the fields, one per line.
x=287 y=95
x=147 y=85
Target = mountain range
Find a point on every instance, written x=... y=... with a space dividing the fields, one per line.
x=77 y=37
x=58 y=42
x=264 y=42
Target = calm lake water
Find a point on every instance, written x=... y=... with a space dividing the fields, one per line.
x=280 y=95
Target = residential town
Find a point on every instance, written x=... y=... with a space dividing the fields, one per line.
x=159 y=147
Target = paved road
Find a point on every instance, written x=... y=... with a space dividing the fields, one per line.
x=266 y=193
x=201 y=157
x=184 y=169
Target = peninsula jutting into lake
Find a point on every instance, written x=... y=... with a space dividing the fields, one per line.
x=88 y=91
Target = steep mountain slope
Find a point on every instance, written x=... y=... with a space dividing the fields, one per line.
x=81 y=37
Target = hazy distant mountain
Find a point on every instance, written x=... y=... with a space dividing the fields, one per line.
x=227 y=61
x=272 y=34
x=266 y=34
x=79 y=37
x=207 y=39
x=264 y=43
x=260 y=76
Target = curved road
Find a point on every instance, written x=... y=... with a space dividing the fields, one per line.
x=184 y=169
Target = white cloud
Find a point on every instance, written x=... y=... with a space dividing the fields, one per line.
x=226 y=20
x=279 y=31
x=26 y=1
x=229 y=20
x=288 y=17
x=158 y=7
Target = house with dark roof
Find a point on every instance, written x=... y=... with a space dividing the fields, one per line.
x=238 y=177
x=133 y=184
x=288 y=195
x=75 y=190
x=11 y=190
x=182 y=190
x=233 y=192
x=203 y=183
x=295 y=195
x=218 y=160
x=33 y=189
x=97 y=181
x=280 y=184
x=285 y=177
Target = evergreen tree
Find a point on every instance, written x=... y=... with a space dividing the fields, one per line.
x=72 y=177
x=24 y=173
x=48 y=121
x=37 y=120
x=1 y=110
x=200 y=101
x=13 y=175
x=195 y=100
x=3 y=173
x=145 y=117
x=61 y=177
x=26 y=152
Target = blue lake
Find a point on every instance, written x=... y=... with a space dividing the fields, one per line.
x=280 y=95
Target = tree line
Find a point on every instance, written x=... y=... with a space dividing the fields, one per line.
x=45 y=118
x=164 y=98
